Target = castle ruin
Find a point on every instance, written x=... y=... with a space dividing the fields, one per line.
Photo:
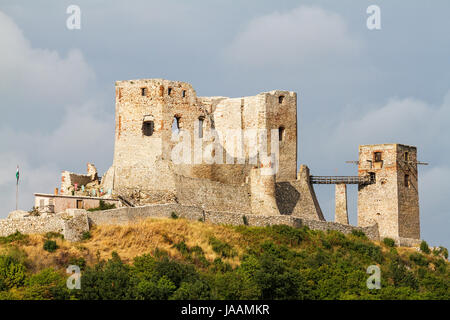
x=175 y=148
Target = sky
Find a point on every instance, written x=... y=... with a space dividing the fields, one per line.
x=355 y=85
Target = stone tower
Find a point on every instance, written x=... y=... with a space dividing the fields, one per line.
x=149 y=110
x=392 y=200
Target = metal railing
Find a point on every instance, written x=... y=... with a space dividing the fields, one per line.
x=341 y=179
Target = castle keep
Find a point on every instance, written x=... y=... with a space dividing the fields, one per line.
x=219 y=171
x=228 y=158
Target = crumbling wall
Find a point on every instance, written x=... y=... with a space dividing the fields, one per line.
x=212 y=195
x=297 y=198
x=90 y=181
x=143 y=163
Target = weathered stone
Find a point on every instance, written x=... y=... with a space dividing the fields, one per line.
x=393 y=200
x=18 y=214
x=341 y=214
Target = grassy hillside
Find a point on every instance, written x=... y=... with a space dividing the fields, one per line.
x=180 y=259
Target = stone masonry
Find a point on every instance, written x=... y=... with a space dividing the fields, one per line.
x=341 y=214
x=213 y=158
x=154 y=115
x=393 y=200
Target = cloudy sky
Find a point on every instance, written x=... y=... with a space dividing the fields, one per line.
x=355 y=86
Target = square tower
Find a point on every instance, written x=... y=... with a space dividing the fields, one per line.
x=392 y=199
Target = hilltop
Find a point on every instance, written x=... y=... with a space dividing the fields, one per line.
x=181 y=259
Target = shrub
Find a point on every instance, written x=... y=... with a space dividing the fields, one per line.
x=47 y=284
x=50 y=245
x=444 y=251
x=245 y=220
x=109 y=280
x=103 y=206
x=34 y=212
x=389 y=242
x=16 y=236
x=359 y=233
x=173 y=215
x=81 y=262
x=52 y=235
x=221 y=248
x=418 y=259
x=287 y=234
x=424 y=247
x=12 y=272
x=86 y=235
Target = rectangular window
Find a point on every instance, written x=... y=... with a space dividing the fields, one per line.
x=147 y=128
x=377 y=156
x=407 y=180
x=280 y=133
x=406 y=156
x=373 y=177
x=280 y=99
x=200 y=127
x=143 y=92
x=184 y=93
x=169 y=91
x=79 y=204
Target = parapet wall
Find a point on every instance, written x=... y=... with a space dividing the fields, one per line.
x=71 y=225
x=130 y=215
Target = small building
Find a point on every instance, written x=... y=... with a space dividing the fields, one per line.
x=50 y=203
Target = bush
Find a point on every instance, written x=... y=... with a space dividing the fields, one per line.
x=86 y=235
x=359 y=233
x=418 y=259
x=245 y=220
x=424 y=247
x=103 y=206
x=174 y=215
x=12 y=273
x=444 y=252
x=109 y=280
x=50 y=245
x=16 y=236
x=389 y=242
x=221 y=248
x=34 y=212
x=80 y=262
x=53 y=235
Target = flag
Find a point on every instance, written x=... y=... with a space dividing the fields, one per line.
x=17 y=175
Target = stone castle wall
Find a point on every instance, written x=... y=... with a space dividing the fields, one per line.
x=71 y=225
x=131 y=215
x=143 y=162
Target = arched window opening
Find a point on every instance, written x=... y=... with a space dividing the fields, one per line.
x=148 y=126
x=176 y=124
x=200 y=127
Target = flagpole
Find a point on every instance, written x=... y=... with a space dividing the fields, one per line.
x=17 y=194
x=17 y=188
